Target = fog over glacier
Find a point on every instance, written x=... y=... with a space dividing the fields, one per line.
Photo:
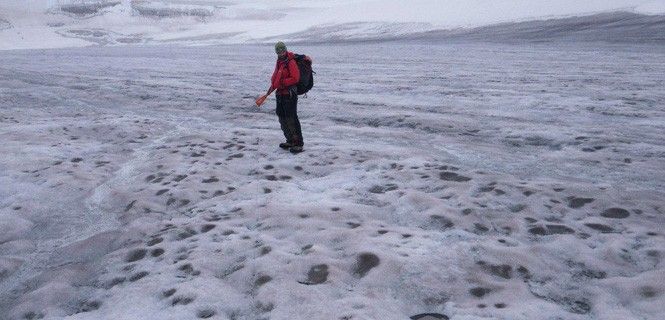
x=68 y=23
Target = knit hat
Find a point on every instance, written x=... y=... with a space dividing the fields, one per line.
x=280 y=47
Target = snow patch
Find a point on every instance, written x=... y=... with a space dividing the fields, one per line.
x=8 y=266
x=13 y=227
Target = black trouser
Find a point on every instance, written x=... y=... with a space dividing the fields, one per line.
x=287 y=111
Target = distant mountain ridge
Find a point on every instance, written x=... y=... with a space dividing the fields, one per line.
x=618 y=27
x=613 y=27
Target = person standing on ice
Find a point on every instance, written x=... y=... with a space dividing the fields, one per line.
x=284 y=79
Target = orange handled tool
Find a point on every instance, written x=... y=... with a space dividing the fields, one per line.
x=260 y=100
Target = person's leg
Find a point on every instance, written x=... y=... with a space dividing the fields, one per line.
x=297 y=130
x=294 y=129
x=293 y=123
x=283 y=123
x=287 y=133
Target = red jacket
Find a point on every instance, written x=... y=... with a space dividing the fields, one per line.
x=284 y=75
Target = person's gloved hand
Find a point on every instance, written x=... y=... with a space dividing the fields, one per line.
x=260 y=100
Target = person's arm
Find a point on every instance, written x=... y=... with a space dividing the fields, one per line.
x=294 y=75
x=274 y=84
x=275 y=77
x=270 y=90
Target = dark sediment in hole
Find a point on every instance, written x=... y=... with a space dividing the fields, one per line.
x=600 y=227
x=551 y=229
x=135 y=255
x=452 y=176
x=575 y=203
x=429 y=316
x=479 y=291
x=317 y=274
x=364 y=263
x=615 y=213
x=204 y=314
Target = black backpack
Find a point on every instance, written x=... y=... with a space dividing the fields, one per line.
x=306 y=74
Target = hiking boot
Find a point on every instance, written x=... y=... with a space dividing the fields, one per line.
x=296 y=149
x=285 y=145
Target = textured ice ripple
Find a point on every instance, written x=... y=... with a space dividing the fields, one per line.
x=4 y=24
x=87 y=9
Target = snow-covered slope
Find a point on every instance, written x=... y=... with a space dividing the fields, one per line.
x=616 y=27
x=64 y=23
x=477 y=181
